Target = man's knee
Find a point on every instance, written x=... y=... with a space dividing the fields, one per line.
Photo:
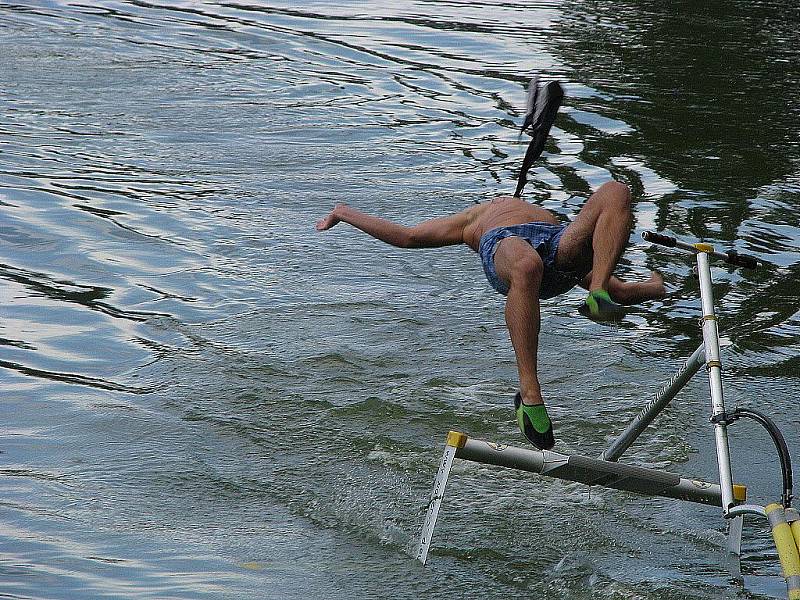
x=616 y=194
x=527 y=270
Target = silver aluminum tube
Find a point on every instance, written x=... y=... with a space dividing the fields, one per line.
x=658 y=403
x=747 y=509
x=591 y=471
x=714 y=367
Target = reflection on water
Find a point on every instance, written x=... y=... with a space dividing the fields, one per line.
x=205 y=398
x=713 y=113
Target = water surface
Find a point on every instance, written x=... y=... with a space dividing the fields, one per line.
x=205 y=398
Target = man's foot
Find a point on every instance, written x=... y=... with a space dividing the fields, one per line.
x=599 y=306
x=534 y=423
x=654 y=286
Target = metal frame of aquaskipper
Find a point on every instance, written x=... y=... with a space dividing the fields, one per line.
x=606 y=471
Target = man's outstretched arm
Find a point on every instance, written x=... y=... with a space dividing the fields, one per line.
x=445 y=231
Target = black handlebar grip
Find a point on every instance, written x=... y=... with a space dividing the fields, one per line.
x=657 y=238
x=741 y=260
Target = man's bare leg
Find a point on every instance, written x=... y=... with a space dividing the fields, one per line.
x=597 y=237
x=521 y=267
x=633 y=292
x=611 y=232
x=593 y=243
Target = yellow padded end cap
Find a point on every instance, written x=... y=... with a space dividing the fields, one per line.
x=703 y=247
x=739 y=492
x=456 y=439
x=770 y=507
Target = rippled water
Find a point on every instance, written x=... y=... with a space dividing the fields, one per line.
x=203 y=397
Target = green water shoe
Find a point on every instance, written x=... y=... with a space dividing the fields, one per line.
x=534 y=423
x=599 y=306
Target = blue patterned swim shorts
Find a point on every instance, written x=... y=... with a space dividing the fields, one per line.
x=544 y=238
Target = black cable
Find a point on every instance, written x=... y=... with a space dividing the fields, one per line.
x=780 y=446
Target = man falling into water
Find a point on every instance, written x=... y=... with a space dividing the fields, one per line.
x=529 y=256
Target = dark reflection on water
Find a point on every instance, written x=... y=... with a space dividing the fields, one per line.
x=205 y=398
x=710 y=93
x=713 y=102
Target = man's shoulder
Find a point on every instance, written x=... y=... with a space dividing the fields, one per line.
x=473 y=218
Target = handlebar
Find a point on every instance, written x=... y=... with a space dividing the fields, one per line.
x=659 y=238
x=731 y=257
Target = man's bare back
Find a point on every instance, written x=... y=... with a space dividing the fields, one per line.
x=501 y=212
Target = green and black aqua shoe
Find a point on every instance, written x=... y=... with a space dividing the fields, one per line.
x=599 y=306
x=534 y=423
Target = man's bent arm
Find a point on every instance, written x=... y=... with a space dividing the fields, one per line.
x=429 y=234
